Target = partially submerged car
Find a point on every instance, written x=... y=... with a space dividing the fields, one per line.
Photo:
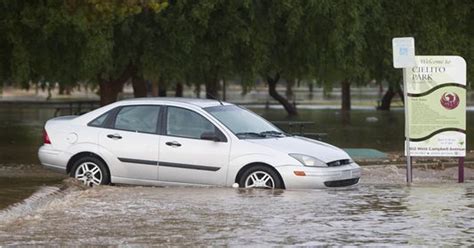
x=160 y=141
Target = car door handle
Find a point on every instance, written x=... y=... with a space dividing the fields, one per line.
x=114 y=136
x=173 y=144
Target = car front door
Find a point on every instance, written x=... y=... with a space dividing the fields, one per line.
x=132 y=141
x=186 y=154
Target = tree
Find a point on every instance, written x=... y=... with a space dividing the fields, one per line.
x=345 y=44
x=220 y=29
x=440 y=28
x=284 y=44
x=69 y=41
x=124 y=28
x=110 y=42
x=44 y=42
x=197 y=43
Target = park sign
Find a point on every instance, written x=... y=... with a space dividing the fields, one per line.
x=436 y=101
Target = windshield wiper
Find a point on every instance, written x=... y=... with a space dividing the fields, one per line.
x=272 y=133
x=251 y=134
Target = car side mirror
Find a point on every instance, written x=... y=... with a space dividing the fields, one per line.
x=210 y=136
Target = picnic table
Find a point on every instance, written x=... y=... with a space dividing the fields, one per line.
x=298 y=128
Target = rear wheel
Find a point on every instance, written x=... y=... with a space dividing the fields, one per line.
x=260 y=176
x=90 y=171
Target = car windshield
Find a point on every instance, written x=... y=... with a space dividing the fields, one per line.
x=244 y=123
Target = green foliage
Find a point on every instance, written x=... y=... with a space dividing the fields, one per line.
x=67 y=41
x=441 y=27
x=281 y=40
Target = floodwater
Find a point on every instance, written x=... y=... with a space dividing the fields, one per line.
x=371 y=213
x=39 y=207
x=358 y=128
x=21 y=129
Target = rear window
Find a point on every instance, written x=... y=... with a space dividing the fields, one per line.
x=99 y=121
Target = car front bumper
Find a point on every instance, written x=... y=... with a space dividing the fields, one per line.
x=304 y=177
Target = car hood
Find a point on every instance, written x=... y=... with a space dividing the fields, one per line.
x=295 y=144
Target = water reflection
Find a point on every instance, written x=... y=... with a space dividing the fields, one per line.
x=345 y=118
x=381 y=130
x=20 y=134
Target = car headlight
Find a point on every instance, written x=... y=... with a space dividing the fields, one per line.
x=308 y=160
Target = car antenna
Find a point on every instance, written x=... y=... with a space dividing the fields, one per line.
x=215 y=98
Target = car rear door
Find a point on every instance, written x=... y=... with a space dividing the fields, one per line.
x=187 y=158
x=132 y=142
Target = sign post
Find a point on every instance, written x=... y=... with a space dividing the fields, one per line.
x=437 y=107
x=404 y=57
x=409 y=170
x=461 y=170
x=435 y=104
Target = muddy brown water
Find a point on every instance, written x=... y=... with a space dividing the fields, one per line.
x=38 y=207
x=381 y=210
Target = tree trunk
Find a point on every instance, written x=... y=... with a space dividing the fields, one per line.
x=162 y=87
x=346 y=95
x=110 y=88
x=50 y=88
x=179 y=90
x=380 y=89
x=212 y=89
x=311 y=88
x=109 y=91
x=197 y=90
x=162 y=91
x=289 y=89
x=62 y=89
x=139 y=86
x=224 y=90
x=68 y=90
x=400 y=92
x=386 y=100
x=272 y=82
x=154 y=88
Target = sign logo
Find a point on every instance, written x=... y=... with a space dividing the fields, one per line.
x=403 y=51
x=449 y=100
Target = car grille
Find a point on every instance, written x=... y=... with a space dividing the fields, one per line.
x=342 y=183
x=339 y=162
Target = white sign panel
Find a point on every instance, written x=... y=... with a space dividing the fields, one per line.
x=436 y=103
x=403 y=52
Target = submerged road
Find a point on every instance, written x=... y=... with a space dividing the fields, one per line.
x=381 y=210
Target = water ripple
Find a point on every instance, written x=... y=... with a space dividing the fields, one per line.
x=426 y=215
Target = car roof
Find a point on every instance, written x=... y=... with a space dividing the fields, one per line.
x=176 y=101
x=202 y=103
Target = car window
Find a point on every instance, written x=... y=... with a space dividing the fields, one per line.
x=99 y=121
x=186 y=123
x=138 y=118
x=243 y=123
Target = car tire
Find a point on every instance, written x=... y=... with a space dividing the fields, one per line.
x=91 y=171
x=260 y=176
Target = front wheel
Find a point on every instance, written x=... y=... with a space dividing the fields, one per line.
x=260 y=177
x=90 y=171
